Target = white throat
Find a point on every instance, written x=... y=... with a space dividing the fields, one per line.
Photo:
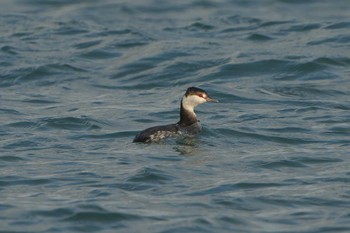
x=191 y=101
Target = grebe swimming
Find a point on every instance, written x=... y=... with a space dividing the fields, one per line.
x=188 y=124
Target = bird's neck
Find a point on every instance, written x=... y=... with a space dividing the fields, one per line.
x=187 y=114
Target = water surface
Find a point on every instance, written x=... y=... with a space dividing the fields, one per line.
x=80 y=78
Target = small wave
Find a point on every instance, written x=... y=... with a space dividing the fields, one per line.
x=231 y=133
x=282 y=164
x=107 y=135
x=4 y=207
x=340 y=129
x=304 y=27
x=295 y=162
x=338 y=25
x=87 y=44
x=26 y=124
x=333 y=61
x=141 y=68
x=10 y=158
x=259 y=37
x=339 y=39
x=71 y=123
x=275 y=23
x=100 y=54
x=71 y=27
x=199 y=26
x=66 y=123
x=256 y=68
x=111 y=217
x=223 y=188
x=150 y=175
x=317 y=160
x=9 y=111
x=303 y=91
x=37 y=100
x=22 y=145
x=54 y=213
x=38 y=73
x=14 y=180
x=9 y=50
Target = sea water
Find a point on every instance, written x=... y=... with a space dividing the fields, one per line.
x=79 y=79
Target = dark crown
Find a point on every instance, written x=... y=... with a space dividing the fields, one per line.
x=194 y=91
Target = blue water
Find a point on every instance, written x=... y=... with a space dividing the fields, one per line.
x=80 y=78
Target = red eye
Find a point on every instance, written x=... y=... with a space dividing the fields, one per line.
x=200 y=95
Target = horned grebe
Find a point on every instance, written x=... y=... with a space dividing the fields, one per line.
x=188 y=124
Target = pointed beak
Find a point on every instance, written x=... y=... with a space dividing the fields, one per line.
x=209 y=99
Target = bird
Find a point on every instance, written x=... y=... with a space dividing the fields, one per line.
x=188 y=123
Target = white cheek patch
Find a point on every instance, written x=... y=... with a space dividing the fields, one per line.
x=193 y=100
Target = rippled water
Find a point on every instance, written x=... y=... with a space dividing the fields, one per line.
x=80 y=78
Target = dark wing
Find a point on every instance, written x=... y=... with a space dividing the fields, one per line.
x=156 y=133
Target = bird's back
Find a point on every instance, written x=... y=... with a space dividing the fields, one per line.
x=157 y=133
